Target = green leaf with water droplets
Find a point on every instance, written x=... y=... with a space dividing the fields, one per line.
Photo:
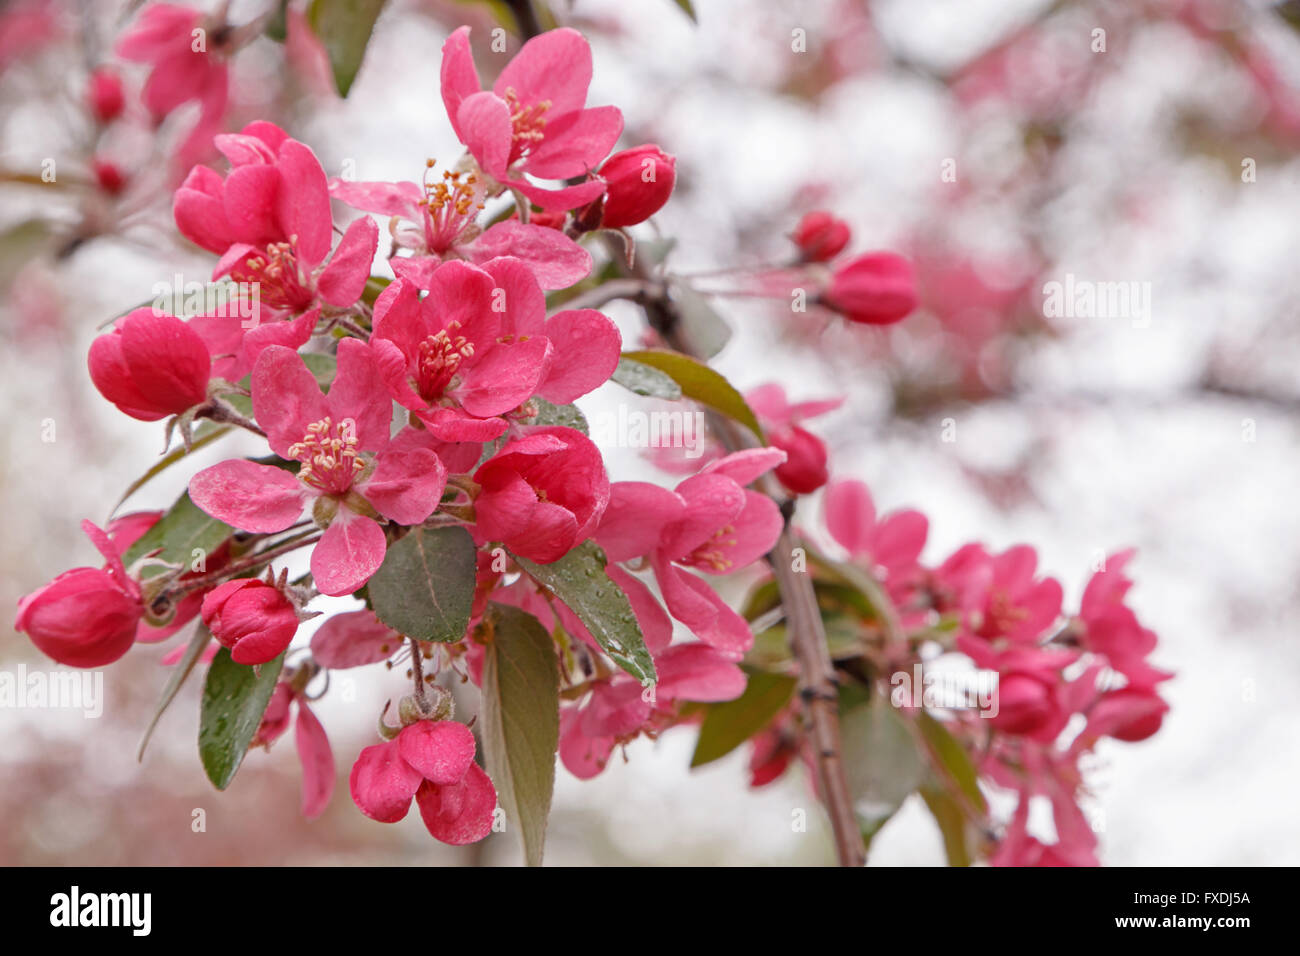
x=234 y=699
x=425 y=587
x=579 y=580
x=181 y=532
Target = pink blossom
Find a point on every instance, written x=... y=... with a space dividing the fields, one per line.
x=437 y=221
x=820 y=236
x=638 y=183
x=270 y=222
x=314 y=751
x=542 y=494
x=86 y=617
x=252 y=618
x=533 y=122
x=480 y=345
x=349 y=471
x=432 y=761
x=104 y=95
x=1111 y=628
x=878 y=288
x=151 y=366
x=710 y=523
x=804 y=469
x=890 y=544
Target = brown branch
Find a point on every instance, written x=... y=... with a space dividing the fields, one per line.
x=803 y=616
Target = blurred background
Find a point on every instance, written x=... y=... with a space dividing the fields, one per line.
x=1002 y=144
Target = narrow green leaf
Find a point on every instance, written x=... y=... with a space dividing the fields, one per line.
x=729 y=724
x=688 y=8
x=344 y=28
x=948 y=815
x=180 y=532
x=521 y=721
x=425 y=586
x=881 y=762
x=645 y=380
x=180 y=673
x=954 y=763
x=206 y=434
x=579 y=580
x=374 y=286
x=701 y=383
x=234 y=699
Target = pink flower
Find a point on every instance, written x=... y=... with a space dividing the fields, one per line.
x=820 y=237
x=1111 y=628
x=875 y=289
x=480 y=345
x=187 y=63
x=711 y=523
x=86 y=617
x=270 y=222
x=438 y=222
x=891 y=544
x=314 y=752
x=1008 y=601
x=432 y=761
x=532 y=123
x=349 y=469
x=104 y=94
x=252 y=618
x=151 y=366
x=638 y=183
x=804 y=469
x=1130 y=713
x=542 y=494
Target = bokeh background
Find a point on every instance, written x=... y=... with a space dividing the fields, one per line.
x=1169 y=158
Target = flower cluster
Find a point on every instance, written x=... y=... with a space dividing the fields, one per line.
x=429 y=395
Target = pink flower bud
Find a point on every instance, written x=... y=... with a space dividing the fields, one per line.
x=1025 y=705
x=875 y=289
x=108 y=176
x=86 y=617
x=252 y=618
x=151 y=366
x=820 y=236
x=104 y=94
x=637 y=184
x=804 y=470
x=543 y=494
x=1129 y=713
x=83 y=618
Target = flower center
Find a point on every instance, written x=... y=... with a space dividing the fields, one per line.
x=280 y=283
x=440 y=357
x=1002 y=616
x=710 y=553
x=329 y=456
x=527 y=123
x=450 y=205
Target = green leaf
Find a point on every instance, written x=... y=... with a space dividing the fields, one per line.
x=688 y=8
x=321 y=366
x=701 y=383
x=425 y=586
x=881 y=762
x=179 y=533
x=374 y=286
x=21 y=243
x=570 y=416
x=645 y=380
x=234 y=699
x=705 y=330
x=277 y=27
x=344 y=28
x=954 y=765
x=579 y=580
x=948 y=815
x=179 y=674
x=521 y=720
x=729 y=724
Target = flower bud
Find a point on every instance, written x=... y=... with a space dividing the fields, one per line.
x=83 y=618
x=151 y=366
x=252 y=618
x=104 y=94
x=874 y=289
x=109 y=176
x=637 y=184
x=820 y=236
